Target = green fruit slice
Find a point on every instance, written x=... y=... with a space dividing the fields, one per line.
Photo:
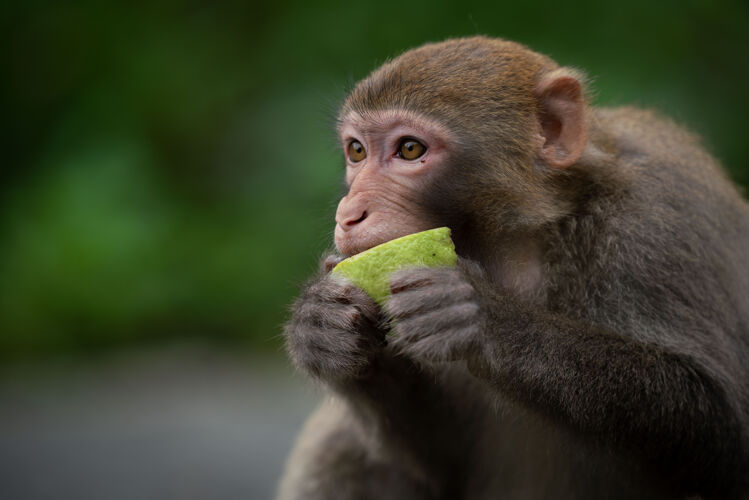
x=370 y=270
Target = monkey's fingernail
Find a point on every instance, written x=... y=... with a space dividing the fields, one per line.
x=398 y=285
x=331 y=261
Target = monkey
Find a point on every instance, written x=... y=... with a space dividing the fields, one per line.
x=593 y=339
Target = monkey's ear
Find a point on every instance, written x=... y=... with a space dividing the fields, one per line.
x=562 y=118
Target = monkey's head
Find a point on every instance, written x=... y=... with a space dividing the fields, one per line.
x=474 y=134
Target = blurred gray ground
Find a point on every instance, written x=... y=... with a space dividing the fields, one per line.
x=177 y=423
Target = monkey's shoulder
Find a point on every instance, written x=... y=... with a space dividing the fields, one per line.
x=648 y=138
x=664 y=162
x=644 y=125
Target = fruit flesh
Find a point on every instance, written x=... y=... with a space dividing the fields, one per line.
x=371 y=269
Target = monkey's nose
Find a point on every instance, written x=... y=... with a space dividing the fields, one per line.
x=348 y=221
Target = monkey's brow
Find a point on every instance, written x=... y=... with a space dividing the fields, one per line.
x=378 y=121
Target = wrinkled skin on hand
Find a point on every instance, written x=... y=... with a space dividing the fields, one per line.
x=334 y=333
x=436 y=313
x=433 y=315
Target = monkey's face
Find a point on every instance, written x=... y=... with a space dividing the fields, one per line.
x=391 y=159
x=465 y=134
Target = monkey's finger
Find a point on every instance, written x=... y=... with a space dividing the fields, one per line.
x=331 y=339
x=471 y=269
x=330 y=262
x=342 y=316
x=330 y=353
x=451 y=345
x=420 y=276
x=431 y=297
x=332 y=289
x=338 y=290
x=417 y=327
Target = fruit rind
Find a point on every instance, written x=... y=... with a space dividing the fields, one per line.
x=371 y=269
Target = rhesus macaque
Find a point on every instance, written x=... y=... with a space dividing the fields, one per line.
x=593 y=341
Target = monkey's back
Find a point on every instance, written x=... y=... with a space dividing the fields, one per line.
x=678 y=188
x=675 y=196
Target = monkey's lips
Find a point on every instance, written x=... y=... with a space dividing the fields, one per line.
x=371 y=233
x=352 y=242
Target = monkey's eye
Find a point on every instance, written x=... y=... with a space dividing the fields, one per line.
x=356 y=152
x=410 y=149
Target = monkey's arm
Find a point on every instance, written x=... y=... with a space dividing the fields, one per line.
x=656 y=403
x=334 y=335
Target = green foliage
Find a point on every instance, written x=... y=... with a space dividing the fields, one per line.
x=170 y=167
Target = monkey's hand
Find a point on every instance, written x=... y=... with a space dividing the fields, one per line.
x=436 y=313
x=333 y=333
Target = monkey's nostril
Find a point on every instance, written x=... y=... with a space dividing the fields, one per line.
x=356 y=221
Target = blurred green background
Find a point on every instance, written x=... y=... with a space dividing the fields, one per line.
x=170 y=171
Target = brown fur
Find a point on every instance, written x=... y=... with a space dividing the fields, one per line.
x=622 y=372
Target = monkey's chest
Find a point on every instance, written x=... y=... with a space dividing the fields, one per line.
x=520 y=455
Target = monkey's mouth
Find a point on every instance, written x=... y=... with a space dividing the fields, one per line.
x=373 y=231
x=358 y=237
x=351 y=244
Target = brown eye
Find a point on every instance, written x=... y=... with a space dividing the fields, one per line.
x=356 y=152
x=411 y=149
